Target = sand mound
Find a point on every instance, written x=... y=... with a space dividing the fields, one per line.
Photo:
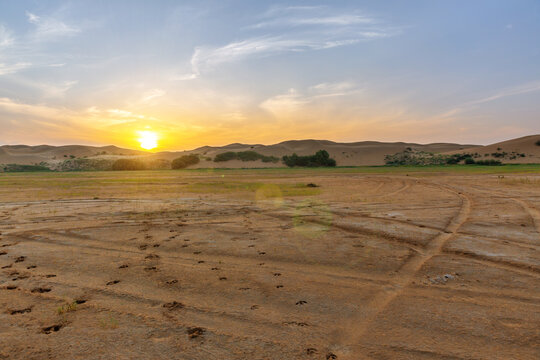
x=513 y=148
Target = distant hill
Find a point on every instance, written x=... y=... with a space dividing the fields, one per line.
x=346 y=154
x=516 y=151
x=24 y=154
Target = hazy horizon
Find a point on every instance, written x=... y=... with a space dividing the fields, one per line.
x=189 y=74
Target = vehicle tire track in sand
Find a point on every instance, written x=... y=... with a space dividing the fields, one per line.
x=533 y=213
x=531 y=210
x=404 y=277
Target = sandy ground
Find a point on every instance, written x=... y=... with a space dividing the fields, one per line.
x=248 y=265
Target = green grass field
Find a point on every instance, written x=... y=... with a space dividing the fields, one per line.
x=151 y=183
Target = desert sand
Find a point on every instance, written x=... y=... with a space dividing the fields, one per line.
x=346 y=154
x=257 y=265
x=364 y=153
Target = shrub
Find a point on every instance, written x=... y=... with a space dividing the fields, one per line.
x=158 y=164
x=128 y=164
x=185 y=161
x=489 y=162
x=226 y=156
x=537 y=143
x=320 y=158
x=244 y=156
x=25 y=168
x=469 y=161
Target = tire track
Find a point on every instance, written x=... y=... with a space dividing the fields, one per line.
x=401 y=280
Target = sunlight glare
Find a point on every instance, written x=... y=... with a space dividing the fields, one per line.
x=148 y=139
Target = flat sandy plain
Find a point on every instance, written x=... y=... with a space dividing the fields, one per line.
x=253 y=264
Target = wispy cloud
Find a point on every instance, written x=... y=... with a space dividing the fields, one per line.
x=294 y=100
x=6 y=38
x=510 y=91
x=152 y=94
x=9 y=69
x=292 y=29
x=49 y=28
x=503 y=93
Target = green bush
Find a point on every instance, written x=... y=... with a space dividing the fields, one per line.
x=320 y=158
x=244 y=156
x=469 y=161
x=25 y=168
x=185 y=161
x=128 y=164
x=489 y=162
x=226 y=156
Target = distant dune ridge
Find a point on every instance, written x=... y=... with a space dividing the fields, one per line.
x=346 y=154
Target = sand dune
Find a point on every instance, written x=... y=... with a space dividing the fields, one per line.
x=346 y=154
x=25 y=154
x=523 y=145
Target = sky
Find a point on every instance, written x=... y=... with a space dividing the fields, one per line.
x=214 y=72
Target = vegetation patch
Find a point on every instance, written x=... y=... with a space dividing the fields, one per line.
x=24 y=168
x=128 y=164
x=320 y=159
x=244 y=156
x=421 y=158
x=185 y=161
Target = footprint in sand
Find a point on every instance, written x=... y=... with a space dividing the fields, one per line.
x=331 y=356
x=223 y=278
x=41 y=290
x=195 y=332
x=31 y=267
x=311 y=351
x=173 y=305
x=123 y=266
x=301 y=302
x=52 y=328
x=113 y=282
x=279 y=286
x=20 y=259
x=20 y=311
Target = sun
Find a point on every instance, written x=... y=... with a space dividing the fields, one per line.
x=148 y=139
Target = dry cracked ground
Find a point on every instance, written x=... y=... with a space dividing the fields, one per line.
x=255 y=265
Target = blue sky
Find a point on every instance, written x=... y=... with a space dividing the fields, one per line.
x=217 y=72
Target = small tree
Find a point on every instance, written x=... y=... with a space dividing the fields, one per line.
x=185 y=161
x=128 y=164
x=320 y=158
